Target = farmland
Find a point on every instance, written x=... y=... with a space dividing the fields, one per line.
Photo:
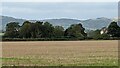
x=57 y=53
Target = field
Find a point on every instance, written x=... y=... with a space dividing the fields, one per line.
x=60 y=53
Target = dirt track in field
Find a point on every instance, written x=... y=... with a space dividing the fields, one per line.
x=62 y=52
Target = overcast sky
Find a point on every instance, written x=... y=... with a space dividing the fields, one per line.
x=48 y=10
x=59 y=0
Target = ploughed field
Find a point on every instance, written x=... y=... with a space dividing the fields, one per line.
x=60 y=53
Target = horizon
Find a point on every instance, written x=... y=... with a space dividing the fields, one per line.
x=69 y=10
x=57 y=18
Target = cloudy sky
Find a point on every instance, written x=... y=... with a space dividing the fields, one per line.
x=48 y=10
x=59 y=0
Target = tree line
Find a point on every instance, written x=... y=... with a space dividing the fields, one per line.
x=46 y=30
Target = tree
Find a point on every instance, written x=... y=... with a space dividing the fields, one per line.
x=104 y=36
x=38 y=29
x=58 y=31
x=12 y=29
x=25 y=30
x=95 y=34
x=35 y=29
x=75 y=31
x=47 y=30
x=114 y=29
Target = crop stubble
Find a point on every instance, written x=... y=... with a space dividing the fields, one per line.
x=55 y=53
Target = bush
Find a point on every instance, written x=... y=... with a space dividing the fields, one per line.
x=39 y=39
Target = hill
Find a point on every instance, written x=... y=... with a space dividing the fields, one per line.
x=89 y=24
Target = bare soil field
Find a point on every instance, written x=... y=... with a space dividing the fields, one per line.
x=57 y=53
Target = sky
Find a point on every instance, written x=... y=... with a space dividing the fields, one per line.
x=53 y=10
x=59 y=0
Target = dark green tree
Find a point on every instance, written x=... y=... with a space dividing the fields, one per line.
x=38 y=29
x=58 y=31
x=12 y=29
x=114 y=29
x=75 y=31
x=96 y=34
x=35 y=29
x=47 y=30
x=25 y=30
x=104 y=36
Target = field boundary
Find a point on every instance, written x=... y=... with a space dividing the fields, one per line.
x=60 y=67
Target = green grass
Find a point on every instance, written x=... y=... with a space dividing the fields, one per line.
x=59 y=62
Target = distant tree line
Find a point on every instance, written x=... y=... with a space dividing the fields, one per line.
x=45 y=30
x=110 y=32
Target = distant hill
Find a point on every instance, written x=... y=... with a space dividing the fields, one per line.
x=97 y=23
x=89 y=24
x=62 y=22
x=6 y=20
